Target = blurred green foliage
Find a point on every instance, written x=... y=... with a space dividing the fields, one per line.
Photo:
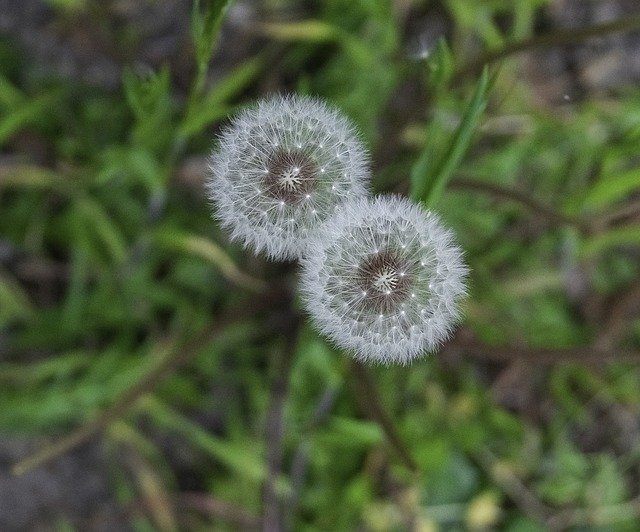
x=113 y=263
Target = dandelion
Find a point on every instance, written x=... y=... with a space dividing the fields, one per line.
x=281 y=169
x=382 y=279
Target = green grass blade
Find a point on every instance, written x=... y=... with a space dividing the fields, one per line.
x=214 y=105
x=29 y=176
x=428 y=184
x=26 y=114
x=14 y=301
x=205 y=25
x=203 y=247
x=58 y=367
x=237 y=457
x=103 y=228
x=628 y=235
x=610 y=189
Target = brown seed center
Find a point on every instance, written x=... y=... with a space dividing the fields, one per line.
x=385 y=281
x=290 y=176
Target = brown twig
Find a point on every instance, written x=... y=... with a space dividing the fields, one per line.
x=523 y=198
x=367 y=396
x=565 y=37
x=512 y=486
x=616 y=321
x=625 y=212
x=174 y=358
x=583 y=355
x=597 y=516
x=220 y=509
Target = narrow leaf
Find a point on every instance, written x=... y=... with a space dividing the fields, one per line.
x=28 y=176
x=205 y=25
x=237 y=457
x=104 y=228
x=609 y=189
x=622 y=236
x=210 y=251
x=215 y=104
x=14 y=302
x=26 y=114
x=427 y=184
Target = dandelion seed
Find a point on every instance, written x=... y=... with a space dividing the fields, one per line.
x=279 y=158
x=404 y=289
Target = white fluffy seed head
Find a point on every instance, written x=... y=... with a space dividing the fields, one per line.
x=383 y=279
x=281 y=168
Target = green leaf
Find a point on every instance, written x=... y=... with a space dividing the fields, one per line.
x=149 y=98
x=96 y=219
x=215 y=104
x=25 y=114
x=10 y=96
x=305 y=31
x=210 y=251
x=622 y=236
x=68 y=5
x=50 y=368
x=427 y=184
x=133 y=165
x=145 y=94
x=25 y=175
x=238 y=457
x=205 y=25
x=76 y=294
x=607 y=486
x=609 y=189
x=318 y=31
x=14 y=302
x=354 y=432
x=441 y=66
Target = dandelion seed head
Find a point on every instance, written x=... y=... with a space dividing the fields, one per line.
x=275 y=177
x=404 y=289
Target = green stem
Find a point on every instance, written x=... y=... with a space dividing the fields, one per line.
x=282 y=365
x=367 y=396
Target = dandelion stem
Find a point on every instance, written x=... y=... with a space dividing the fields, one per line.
x=368 y=398
x=275 y=423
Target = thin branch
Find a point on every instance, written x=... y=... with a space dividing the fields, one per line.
x=368 y=398
x=523 y=198
x=565 y=37
x=606 y=219
x=616 y=322
x=582 y=355
x=599 y=516
x=512 y=486
x=219 y=509
x=531 y=505
x=175 y=357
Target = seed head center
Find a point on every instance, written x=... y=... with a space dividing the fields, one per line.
x=386 y=280
x=290 y=179
x=290 y=175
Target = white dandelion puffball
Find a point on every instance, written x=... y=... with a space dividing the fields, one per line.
x=382 y=279
x=280 y=170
